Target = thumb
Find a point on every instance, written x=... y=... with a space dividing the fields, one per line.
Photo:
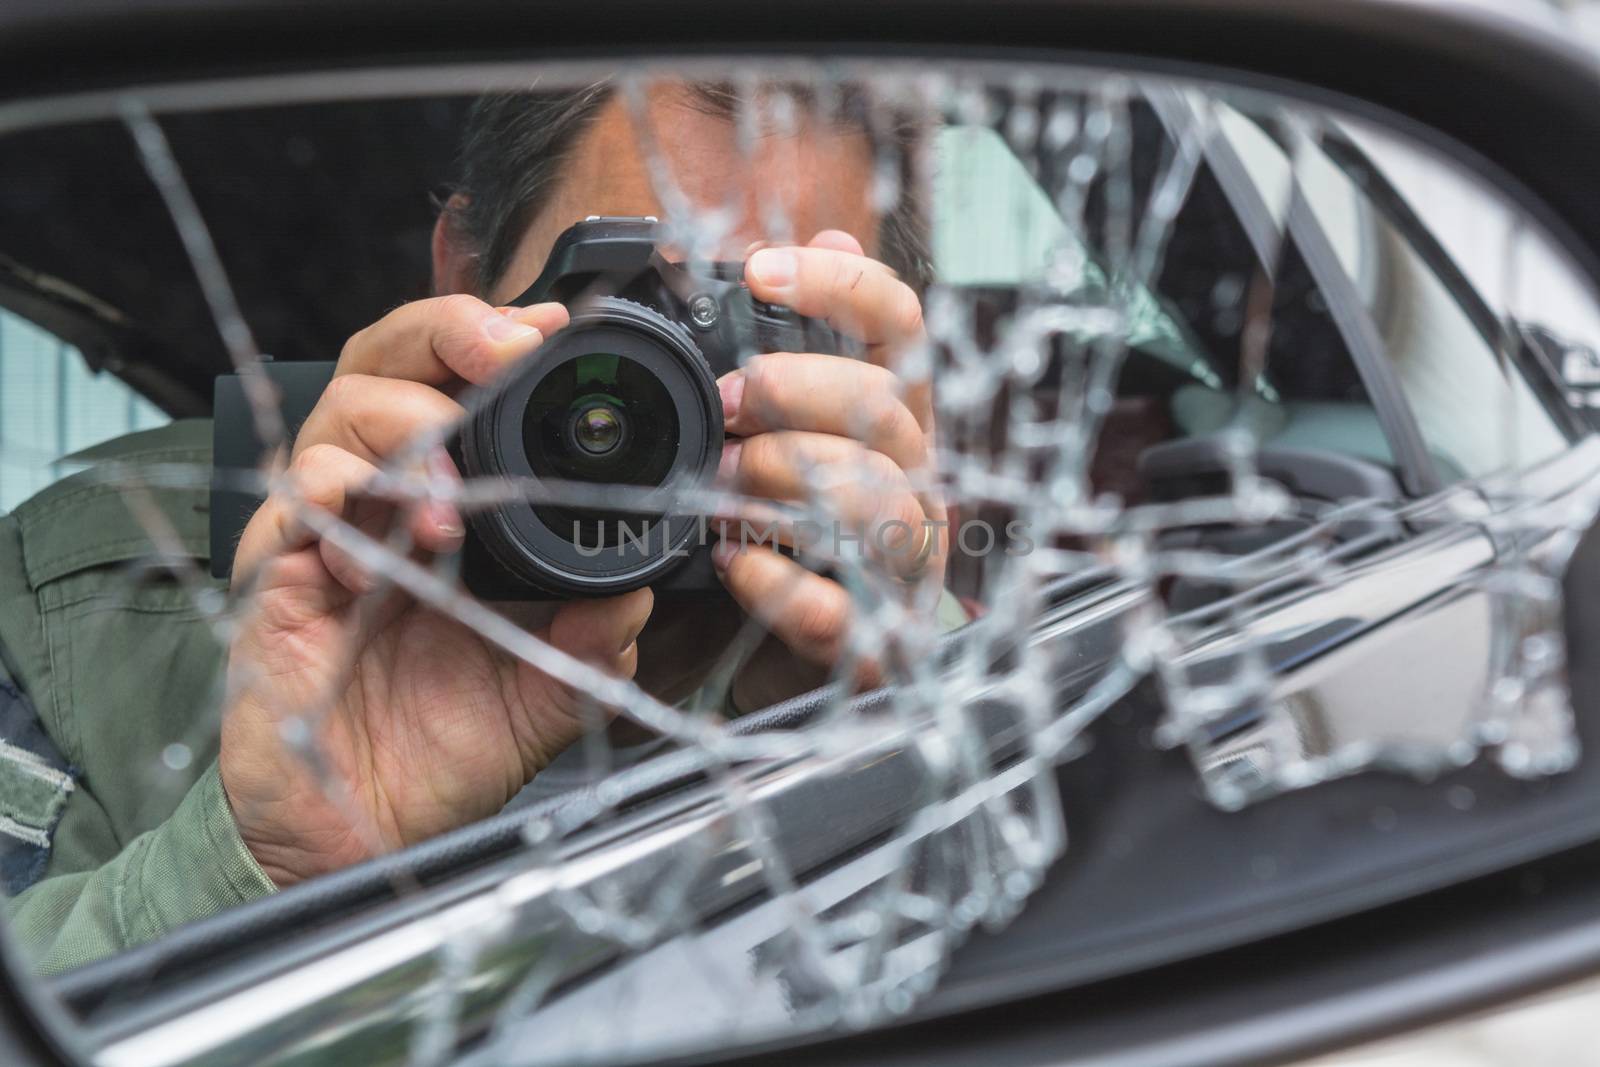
x=603 y=633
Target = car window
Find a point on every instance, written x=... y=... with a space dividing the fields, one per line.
x=994 y=225
x=1296 y=384
x=1516 y=270
x=1475 y=410
x=52 y=405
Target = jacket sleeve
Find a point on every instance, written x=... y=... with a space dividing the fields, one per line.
x=119 y=827
x=190 y=866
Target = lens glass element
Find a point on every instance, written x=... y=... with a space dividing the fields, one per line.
x=604 y=419
x=599 y=427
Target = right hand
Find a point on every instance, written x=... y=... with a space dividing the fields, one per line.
x=417 y=724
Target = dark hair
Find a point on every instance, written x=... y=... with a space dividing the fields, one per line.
x=515 y=146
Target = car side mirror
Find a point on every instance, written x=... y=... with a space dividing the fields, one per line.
x=1217 y=768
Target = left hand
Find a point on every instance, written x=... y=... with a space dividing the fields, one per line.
x=848 y=434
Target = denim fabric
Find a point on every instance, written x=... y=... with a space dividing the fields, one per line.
x=35 y=783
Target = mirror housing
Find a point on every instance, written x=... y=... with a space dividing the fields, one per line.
x=1489 y=74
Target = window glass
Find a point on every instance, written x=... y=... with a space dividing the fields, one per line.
x=1515 y=268
x=994 y=225
x=1476 y=414
x=52 y=405
x=1307 y=392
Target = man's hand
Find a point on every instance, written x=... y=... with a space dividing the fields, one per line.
x=411 y=723
x=848 y=432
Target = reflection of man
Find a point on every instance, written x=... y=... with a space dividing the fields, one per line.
x=429 y=725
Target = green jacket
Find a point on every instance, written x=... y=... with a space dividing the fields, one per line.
x=124 y=672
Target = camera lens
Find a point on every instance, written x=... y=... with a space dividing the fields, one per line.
x=603 y=418
x=598 y=428
x=618 y=403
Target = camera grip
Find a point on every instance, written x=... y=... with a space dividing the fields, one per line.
x=238 y=452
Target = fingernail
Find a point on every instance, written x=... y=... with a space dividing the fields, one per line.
x=502 y=329
x=534 y=314
x=728 y=465
x=446 y=519
x=773 y=267
x=731 y=386
x=442 y=474
x=722 y=554
x=633 y=636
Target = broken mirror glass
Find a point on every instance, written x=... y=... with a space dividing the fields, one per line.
x=596 y=562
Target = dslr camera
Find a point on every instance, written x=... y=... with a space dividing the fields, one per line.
x=624 y=398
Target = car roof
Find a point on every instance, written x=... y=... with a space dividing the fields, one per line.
x=321 y=215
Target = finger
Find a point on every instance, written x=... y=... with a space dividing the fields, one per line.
x=853 y=294
x=330 y=480
x=322 y=477
x=448 y=339
x=374 y=417
x=824 y=394
x=805 y=611
x=551 y=716
x=861 y=489
x=603 y=631
x=837 y=240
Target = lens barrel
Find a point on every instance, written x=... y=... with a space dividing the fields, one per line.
x=621 y=403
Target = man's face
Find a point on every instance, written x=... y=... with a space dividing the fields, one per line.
x=818 y=175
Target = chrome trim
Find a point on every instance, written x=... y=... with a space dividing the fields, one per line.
x=1368 y=593
x=1322 y=716
x=1561 y=475
x=328 y=999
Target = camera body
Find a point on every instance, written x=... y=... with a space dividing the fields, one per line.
x=635 y=370
x=619 y=406
x=620 y=256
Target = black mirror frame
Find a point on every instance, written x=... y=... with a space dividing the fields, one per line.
x=1493 y=88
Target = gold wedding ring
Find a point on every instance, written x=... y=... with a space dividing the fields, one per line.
x=919 y=562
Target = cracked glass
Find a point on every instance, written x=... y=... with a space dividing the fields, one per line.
x=598 y=563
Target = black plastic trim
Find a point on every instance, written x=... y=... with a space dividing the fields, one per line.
x=1470 y=947
x=1418 y=472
